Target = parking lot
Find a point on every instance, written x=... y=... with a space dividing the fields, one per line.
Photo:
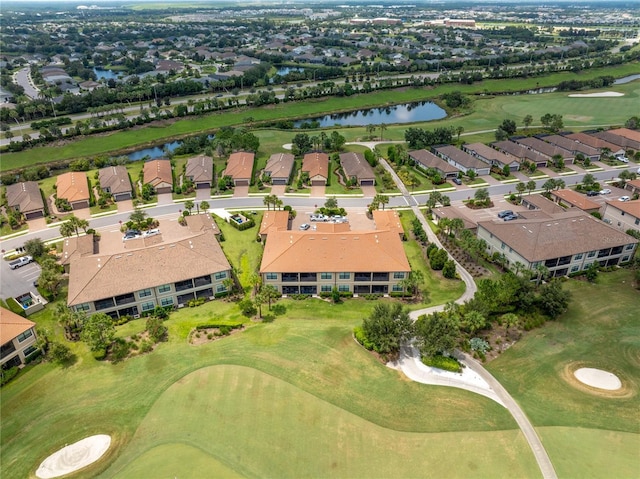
x=357 y=218
x=17 y=281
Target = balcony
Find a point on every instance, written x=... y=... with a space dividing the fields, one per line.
x=380 y=276
x=289 y=277
x=125 y=299
x=362 y=277
x=103 y=304
x=202 y=280
x=308 y=277
x=182 y=285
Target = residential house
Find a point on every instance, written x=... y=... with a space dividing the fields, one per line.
x=566 y=243
x=158 y=173
x=115 y=180
x=491 y=156
x=627 y=133
x=357 y=168
x=76 y=247
x=618 y=140
x=623 y=215
x=573 y=146
x=596 y=143
x=520 y=152
x=74 y=187
x=278 y=219
x=240 y=168
x=26 y=198
x=316 y=164
x=546 y=149
x=136 y=281
x=462 y=160
x=313 y=262
x=279 y=168
x=199 y=170
x=17 y=339
x=426 y=160
x=573 y=199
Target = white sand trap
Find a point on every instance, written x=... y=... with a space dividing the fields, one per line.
x=598 y=378
x=602 y=94
x=75 y=456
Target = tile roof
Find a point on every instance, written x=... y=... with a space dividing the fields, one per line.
x=317 y=164
x=629 y=207
x=240 y=165
x=202 y=222
x=330 y=227
x=280 y=165
x=73 y=186
x=544 y=204
x=519 y=151
x=26 y=196
x=116 y=178
x=627 y=133
x=429 y=160
x=388 y=220
x=157 y=172
x=200 y=168
x=315 y=252
x=461 y=157
x=571 y=145
x=102 y=276
x=11 y=325
x=562 y=235
x=592 y=141
x=354 y=165
x=452 y=212
x=576 y=199
x=274 y=219
x=544 y=148
x=484 y=151
x=76 y=246
x=619 y=140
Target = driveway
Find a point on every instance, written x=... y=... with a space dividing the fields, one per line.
x=125 y=206
x=165 y=199
x=318 y=191
x=17 y=281
x=278 y=190
x=240 y=191
x=203 y=194
x=369 y=191
x=37 y=224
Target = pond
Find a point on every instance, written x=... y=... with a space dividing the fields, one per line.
x=106 y=74
x=408 y=113
x=627 y=79
x=155 y=152
x=282 y=71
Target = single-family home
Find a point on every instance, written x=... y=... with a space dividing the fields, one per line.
x=618 y=140
x=240 y=167
x=26 y=198
x=573 y=199
x=520 y=152
x=17 y=339
x=546 y=149
x=596 y=143
x=115 y=180
x=199 y=170
x=279 y=168
x=74 y=187
x=168 y=274
x=425 y=160
x=314 y=262
x=316 y=165
x=491 y=156
x=158 y=173
x=462 y=160
x=623 y=215
x=627 y=133
x=573 y=146
x=566 y=243
x=357 y=168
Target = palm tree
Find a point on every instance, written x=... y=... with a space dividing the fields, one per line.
x=383 y=127
x=204 y=206
x=542 y=272
x=371 y=128
x=520 y=188
x=531 y=185
x=73 y=225
x=459 y=130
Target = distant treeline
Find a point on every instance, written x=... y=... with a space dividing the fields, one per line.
x=599 y=82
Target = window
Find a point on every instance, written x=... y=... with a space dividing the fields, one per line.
x=30 y=350
x=637 y=221
x=326 y=288
x=591 y=254
x=104 y=304
x=326 y=275
x=578 y=256
x=221 y=288
x=272 y=276
x=148 y=306
x=144 y=293
x=182 y=285
x=343 y=288
x=586 y=266
x=83 y=307
x=344 y=276
x=624 y=259
x=629 y=246
x=397 y=287
x=165 y=288
x=575 y=268
x=221 y=275
x=26 y=335
x=398 y=275
x=166 y=301
x=502 y=246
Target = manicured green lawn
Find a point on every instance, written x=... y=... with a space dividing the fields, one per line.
x=242 y=249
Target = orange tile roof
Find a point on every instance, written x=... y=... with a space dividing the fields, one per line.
x=240 y=165
x=627 y=133
x=388 y=220
x=12 y=324
x=322 y=227
x=576 y=199
x=317 y=164
x=629 y=207
x=274 y=219
x=304 y=251
x=157 y=172
x=73 y=186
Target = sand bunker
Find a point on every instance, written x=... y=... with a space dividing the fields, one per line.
x=597 y=378
x=596 y=95
x=74 y=456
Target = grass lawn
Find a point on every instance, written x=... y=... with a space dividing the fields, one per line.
x=242 y=249
x=600 y=330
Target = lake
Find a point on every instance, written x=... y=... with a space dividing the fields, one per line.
x=106 y=74
x=155 y=152
x=628 y=79
x=408 y=113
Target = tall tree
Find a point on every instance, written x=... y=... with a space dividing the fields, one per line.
x=98 y=331
x=73 y=226
x=437 y=333
x=387 y=327
x=531 y=185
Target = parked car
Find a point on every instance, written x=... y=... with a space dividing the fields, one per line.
x=593 y=193
x=510 y=217
x=22 y=261
x=152 y=232
x=624 y=198
x=622 y=158
x=131 y=234
x=305 y=226
x=319 y=217
x=505 y=213
x=605 y=191
x=457 y=181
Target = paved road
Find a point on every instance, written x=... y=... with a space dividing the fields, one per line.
x=23 y=78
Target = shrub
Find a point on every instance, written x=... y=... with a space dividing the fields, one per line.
x=7 y=375
x=449 y=269
x=59 y=353
x=247 y=307
x=119 y=350
x=99 y=354
x=360 y=336
x=157 y=330
x=146 y=346
x=442 y=362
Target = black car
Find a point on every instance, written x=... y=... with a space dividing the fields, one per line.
x=593 y=193
x=130 y=234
